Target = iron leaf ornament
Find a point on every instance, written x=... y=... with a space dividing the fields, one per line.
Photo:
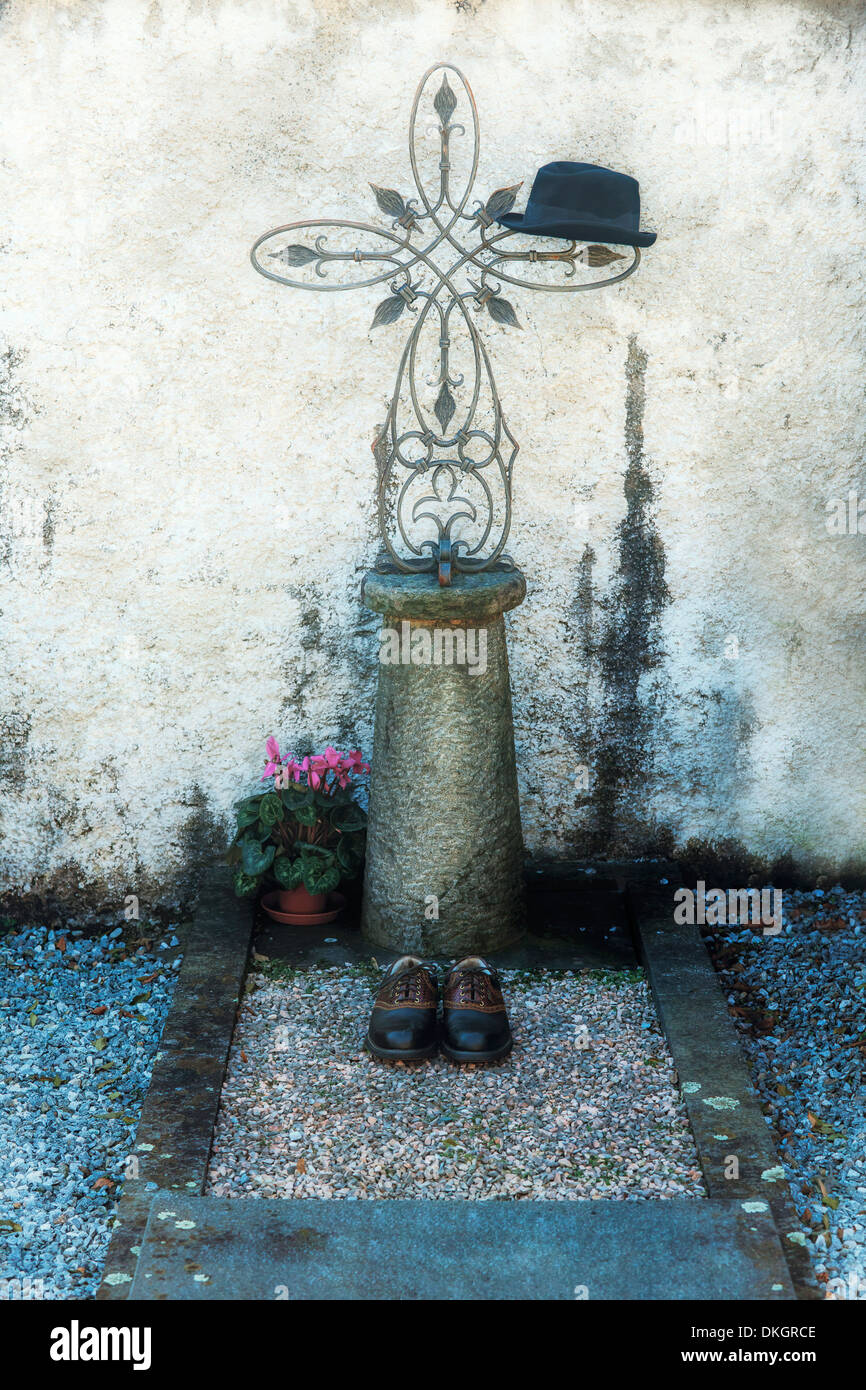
x=425 y=259
x=501 y=311
x=445 y=102
x=600 y=255
x=389 y=310
x=390 y=201
x=445 y=407
x=294 y=255
x=502 y=200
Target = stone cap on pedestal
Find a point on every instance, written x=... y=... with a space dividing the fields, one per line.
x=470 y=596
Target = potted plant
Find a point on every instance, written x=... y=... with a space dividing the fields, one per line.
x=304 y=834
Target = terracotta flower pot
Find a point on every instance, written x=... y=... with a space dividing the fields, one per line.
x=300 y=901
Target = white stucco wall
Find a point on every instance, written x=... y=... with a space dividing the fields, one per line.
x=187 y=486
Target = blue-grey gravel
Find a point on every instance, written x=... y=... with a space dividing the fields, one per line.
x=800 y=1002
x=80 y=1022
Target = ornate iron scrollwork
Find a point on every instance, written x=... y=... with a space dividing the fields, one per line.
x=445 y=454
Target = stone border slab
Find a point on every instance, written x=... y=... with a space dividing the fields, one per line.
x=722 y=1105
x=174 y=1135
x=203 y=1248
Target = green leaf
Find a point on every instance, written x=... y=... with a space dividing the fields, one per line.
x=256 y=859
x=306 y=815
x=348 y=857
x=141 y=998
x=271 y=810
x=288 y=872
x=100 y=1044
x=351 y=818
x=245 y=885
x=247 y=815
x=341 y=796
x=319 y=877
x=294 y=795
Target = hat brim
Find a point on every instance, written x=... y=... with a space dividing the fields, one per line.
x=572 y=229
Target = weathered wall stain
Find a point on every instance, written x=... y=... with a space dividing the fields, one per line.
x=626 y=649
x=186 y=496
x=15 y=727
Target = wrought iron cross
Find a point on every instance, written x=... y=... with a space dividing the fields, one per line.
x=444 y=461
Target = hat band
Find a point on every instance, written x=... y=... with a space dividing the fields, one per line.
x=552 y=212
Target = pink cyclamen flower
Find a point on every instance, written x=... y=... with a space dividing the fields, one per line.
x=354 y=761
x=274 y=759
x=317 y=771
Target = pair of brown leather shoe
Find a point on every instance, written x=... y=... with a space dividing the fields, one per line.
x=405 y=1026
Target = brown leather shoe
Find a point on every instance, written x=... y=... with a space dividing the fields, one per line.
x=475 y=1026
x=403 y=1022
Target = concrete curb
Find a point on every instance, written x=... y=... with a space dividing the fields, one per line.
x=174 y=1134
x=721 y=1103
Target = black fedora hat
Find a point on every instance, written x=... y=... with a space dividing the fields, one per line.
x=583 y=202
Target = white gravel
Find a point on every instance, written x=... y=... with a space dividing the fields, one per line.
x=586 y=1106
x=799 y=1000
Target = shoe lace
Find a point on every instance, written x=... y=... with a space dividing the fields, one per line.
x=406 y=989
x=473 y=985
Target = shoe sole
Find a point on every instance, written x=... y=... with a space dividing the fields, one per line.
x=418 y=1054
x=497 y=1056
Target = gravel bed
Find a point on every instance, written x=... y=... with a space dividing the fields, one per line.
x=80 y=1020
x=799 y=999
x=586 y=1105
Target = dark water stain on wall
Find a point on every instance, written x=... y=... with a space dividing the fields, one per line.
x=621 y=646
x=328 y=647
x=202 y=836
x=15 y=727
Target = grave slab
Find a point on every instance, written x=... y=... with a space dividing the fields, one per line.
x=233 y=1249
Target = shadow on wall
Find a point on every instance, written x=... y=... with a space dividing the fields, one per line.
x=619 y=641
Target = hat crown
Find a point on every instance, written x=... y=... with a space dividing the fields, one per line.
x=586 y=201
x=585 y=188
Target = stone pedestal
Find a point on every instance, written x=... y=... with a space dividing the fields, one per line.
x=444 y=847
